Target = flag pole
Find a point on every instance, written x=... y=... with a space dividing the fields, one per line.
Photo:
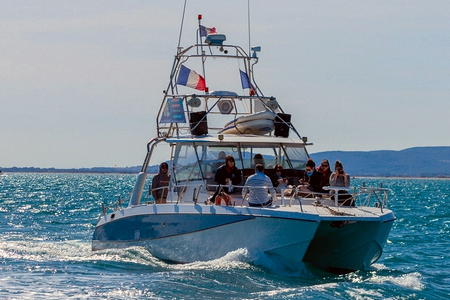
x=199 y=17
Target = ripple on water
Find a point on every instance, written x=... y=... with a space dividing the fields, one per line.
x=47 y=220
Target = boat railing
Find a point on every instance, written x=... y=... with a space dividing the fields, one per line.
x=379 y=196
x=352 y=195
x=196 y=49
x=364 y=196
x=168 y=129
x=115 y=206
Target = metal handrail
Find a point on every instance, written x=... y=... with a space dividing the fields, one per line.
x=375 y=191
x=181 y=189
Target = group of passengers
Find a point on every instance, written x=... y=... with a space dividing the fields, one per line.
x=316 y=178
x=260 y=188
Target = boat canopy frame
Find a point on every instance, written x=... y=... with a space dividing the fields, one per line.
x=211 y=100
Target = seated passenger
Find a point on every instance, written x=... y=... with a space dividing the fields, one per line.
x=340 y=178
x=160 y=182
x=278 y=180
x=325 y=172
x=220 y=157
x=258 y=186
x=228 y=174
x=258 y=159
x=312 y=179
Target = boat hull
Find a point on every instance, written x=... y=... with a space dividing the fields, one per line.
x=186 y=238
x=346 y=246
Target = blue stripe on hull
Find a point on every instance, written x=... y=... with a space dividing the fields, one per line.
x=147 y=227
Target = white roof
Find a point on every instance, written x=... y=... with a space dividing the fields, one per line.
x=243 y=139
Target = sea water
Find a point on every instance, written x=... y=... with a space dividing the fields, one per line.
x=47 y=221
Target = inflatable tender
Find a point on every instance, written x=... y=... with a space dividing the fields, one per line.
x=259 y=123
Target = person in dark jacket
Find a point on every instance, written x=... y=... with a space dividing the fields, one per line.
x=228 y=174
x=312 y=180
x=325 y=172
x=278 y=180
x=160 y=183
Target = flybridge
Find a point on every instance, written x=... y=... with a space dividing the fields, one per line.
x=211 y=112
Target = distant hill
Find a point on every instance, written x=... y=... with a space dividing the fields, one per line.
x=411 y=162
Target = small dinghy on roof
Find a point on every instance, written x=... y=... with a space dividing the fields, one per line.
x=260 y=123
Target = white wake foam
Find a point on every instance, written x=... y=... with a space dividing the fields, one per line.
x=237 y=259
x=411 y=280
x=75 y=250
x=293 y=292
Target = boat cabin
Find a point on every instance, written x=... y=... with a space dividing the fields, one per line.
x=195 y=160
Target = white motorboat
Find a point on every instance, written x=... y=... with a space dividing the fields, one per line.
x=297 y=229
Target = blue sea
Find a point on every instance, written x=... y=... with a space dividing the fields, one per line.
x=47 y=221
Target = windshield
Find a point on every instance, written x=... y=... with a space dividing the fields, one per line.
x=196 y=161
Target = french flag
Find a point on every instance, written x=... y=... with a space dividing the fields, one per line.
x=191 y=79
x=245 y=82
x=205 y=31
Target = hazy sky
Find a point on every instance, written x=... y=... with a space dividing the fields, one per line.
x=81 y=81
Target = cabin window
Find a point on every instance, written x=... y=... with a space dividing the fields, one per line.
x=296 y=156
x=212 y=157
x=186 y=164
x=271 y=156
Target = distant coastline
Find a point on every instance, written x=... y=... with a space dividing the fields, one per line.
x=411 y=163
x=154 y=173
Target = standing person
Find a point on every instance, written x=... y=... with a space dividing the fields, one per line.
x=325 y=172
x=312 y=179
x=228 y=174
x=339 y=177
x=160 y=183
x=257 y=186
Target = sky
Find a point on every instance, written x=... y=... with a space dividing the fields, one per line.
x=81 y=81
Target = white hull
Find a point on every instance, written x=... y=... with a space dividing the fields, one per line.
x=187 y=233
x=284 y=241
x=215 y=231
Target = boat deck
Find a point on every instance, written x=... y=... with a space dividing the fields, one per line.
x=309 y=210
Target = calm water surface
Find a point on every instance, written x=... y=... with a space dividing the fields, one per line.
x=46 y=224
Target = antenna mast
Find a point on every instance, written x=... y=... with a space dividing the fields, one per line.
x=181 y=26
x=248 y=21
